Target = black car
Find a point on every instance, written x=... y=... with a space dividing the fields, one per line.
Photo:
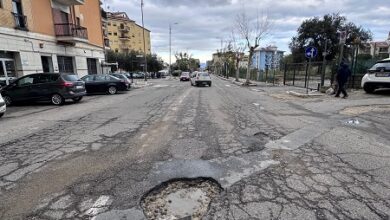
x=104 y=83
x=123 y=77
x=54 y=87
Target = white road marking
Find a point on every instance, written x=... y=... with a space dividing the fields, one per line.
x=228 y=85
x=160 y=86
x=256 y=104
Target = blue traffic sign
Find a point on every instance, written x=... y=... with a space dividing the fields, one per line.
x=311 y=52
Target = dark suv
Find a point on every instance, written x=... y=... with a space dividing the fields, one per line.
x=54 y=87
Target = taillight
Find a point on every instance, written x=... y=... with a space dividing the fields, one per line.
x=67 y=84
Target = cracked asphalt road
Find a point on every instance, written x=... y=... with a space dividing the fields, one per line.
x=276 y=156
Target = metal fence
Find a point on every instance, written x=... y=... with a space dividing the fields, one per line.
x=311 y=76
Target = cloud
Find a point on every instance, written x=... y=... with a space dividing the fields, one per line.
x=202 y=23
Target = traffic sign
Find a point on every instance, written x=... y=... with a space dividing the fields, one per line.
x=311 y=52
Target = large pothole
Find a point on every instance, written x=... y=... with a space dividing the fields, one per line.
x=180 y=199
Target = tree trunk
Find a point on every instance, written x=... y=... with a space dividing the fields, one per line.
x=237 y=72
x=248 y=70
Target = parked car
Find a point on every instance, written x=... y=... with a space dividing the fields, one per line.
x=200 y=78
x=54 y=87
x=185 y=76
x=123 y=77
x=104 y=83
x=3 y=106
x=378 y=76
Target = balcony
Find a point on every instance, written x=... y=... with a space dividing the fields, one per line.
x=71 y=2
x=20 y=21
x=124 y=37
x=71 y=33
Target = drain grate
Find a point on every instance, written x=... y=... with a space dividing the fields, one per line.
x=180 y=199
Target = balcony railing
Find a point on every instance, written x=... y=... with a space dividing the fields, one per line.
x=20 y=21
x=71 y=30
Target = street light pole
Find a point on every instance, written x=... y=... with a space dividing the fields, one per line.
x=170 y=47
x=143 y=33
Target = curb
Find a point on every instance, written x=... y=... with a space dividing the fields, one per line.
x=303 y=95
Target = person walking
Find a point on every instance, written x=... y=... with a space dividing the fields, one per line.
x=343 y=73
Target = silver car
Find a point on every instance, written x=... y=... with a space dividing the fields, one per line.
x=3 y=107
x=200 y=78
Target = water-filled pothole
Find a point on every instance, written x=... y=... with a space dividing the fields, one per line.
x=180 y=199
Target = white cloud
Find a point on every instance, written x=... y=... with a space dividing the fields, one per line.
x=203 y=22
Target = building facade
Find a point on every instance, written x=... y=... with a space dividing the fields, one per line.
x=125 y=35
x=267 y=58
x=50 y=36
x=379 y=49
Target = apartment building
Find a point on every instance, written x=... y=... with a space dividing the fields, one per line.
x=50 y=36
x=125 y=35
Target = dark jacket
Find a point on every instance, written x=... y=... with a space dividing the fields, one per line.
x=343 y=73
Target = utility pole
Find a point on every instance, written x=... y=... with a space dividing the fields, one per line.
x=143 y=33
x=324 y=54
x=170 y=47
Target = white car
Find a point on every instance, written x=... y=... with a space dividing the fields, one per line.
x=378 y=76
x=3 y=107
x=200 y=78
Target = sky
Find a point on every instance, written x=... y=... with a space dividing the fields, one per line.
x=201 y=24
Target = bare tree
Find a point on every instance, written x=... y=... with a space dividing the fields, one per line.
x=238 y=49
x=252 y=32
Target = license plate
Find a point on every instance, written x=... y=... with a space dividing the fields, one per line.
x=382 y=74
x=79 y=87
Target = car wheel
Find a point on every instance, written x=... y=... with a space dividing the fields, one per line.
x=112 y=90
x=1 y=115
x=7 y=100
x=369 y=88
x=57 y=99
x=78 y=99
x=209 y=84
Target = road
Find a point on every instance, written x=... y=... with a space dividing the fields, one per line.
x=275 y=156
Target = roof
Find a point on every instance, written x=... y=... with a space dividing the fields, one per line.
x=268 y=49
x=380 y=44
x=119 y=16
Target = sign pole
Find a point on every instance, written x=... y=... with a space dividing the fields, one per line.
x=308 y=77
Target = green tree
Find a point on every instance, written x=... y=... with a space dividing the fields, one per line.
x=185 y=62
x=132 y=61
x=320 y=31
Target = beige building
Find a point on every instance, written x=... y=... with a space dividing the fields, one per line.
x=50 y=36
x=125 y=35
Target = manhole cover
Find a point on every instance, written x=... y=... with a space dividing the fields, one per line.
x=180 y=199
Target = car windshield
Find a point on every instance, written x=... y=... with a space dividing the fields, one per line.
x=205 y=74
x=71 y=78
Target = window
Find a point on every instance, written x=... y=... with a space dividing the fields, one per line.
x=1 y=3
x=116 y=50
x=115 y=34
x=109 y=33
x=65 y=64
x=88 y=78
x=100 y=78
x=29 y=80
x=109 y=23
x=20 y=19
x=114 y=24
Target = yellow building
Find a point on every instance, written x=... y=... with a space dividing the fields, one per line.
x=50 y=36
x=125 y=35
